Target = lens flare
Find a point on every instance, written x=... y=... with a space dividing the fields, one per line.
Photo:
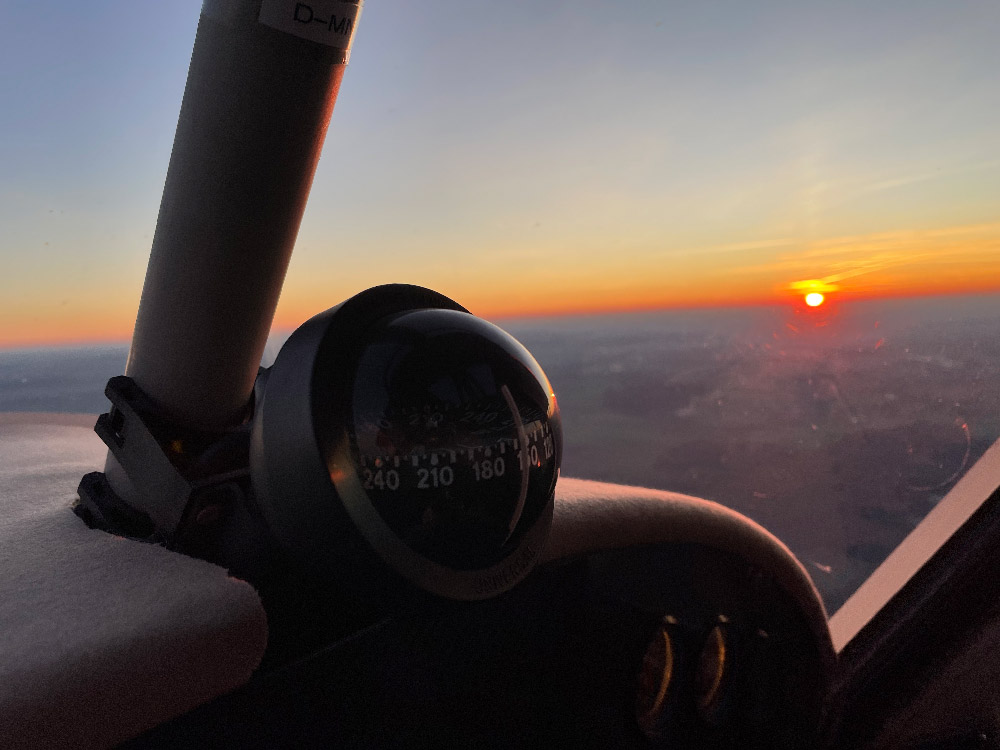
x=815 y=299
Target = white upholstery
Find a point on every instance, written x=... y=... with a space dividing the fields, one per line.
x=100 y=637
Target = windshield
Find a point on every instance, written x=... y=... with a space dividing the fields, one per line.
x=754 y=245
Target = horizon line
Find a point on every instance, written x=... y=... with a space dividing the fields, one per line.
x=790 y=301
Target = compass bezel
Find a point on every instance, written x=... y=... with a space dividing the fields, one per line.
x=305 y=407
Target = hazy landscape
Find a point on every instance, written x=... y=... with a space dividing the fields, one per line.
x=836 y=428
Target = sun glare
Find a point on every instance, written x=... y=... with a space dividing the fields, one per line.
x=814 y=299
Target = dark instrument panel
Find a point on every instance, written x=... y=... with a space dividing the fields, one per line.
x=657 y=646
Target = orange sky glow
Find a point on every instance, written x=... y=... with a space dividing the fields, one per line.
x=952 y=260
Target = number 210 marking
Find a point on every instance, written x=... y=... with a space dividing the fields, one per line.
x=435 y=477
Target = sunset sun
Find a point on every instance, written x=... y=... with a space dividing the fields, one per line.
x=814 y=299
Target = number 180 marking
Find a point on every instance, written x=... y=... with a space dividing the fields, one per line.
x=488 y=469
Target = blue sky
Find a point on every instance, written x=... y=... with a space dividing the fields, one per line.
x=525 y=156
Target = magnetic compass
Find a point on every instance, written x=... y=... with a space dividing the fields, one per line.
x=435 y=432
